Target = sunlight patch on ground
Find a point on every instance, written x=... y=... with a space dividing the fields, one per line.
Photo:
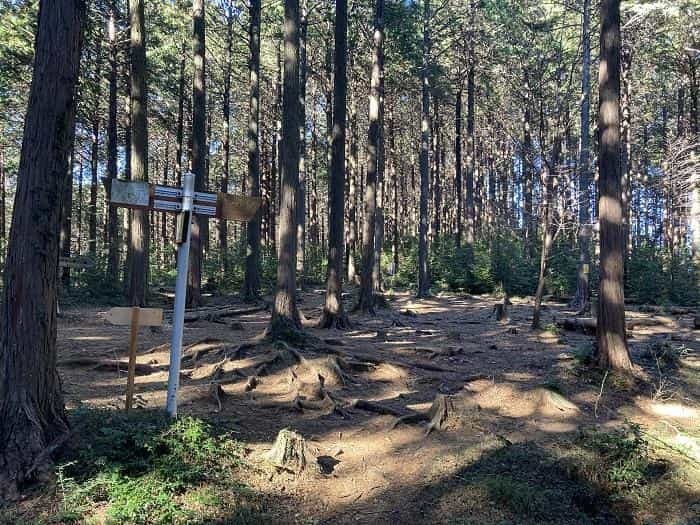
x=675 y=410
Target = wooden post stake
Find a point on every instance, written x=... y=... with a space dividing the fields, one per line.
x=132 y=356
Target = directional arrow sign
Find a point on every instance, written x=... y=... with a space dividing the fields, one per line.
x=145 y=196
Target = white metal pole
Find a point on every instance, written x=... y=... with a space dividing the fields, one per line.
x=183 y=256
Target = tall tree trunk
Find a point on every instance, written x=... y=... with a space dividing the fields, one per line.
x=32 y=416
x=612 y=351
x=352 y=194
x=366 y=299
x=469 y=181
x=180 y=133
x=112 y=146
x=94 y=150
x=301 y=198
x=3 y=203
x=458 y=168
x=139 y=241
x=529 y=225
x=285 y=315
x=333 y=315
x=251 y=283
x=66 y=212
x=222 y=227
x=584 y=214
x=199 y=150
x=423 y=276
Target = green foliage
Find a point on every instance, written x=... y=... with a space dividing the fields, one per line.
x=623 y=460
x=146 y=469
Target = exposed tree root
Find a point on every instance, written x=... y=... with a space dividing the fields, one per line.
x=215 y=314
x=376 y=408
x=438 y=417
x=108 y=365
x=330 y=320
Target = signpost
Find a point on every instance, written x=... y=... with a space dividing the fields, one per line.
x=134 y=317
x=184 y=201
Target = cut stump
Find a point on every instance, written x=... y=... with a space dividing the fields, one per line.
x=289 y=451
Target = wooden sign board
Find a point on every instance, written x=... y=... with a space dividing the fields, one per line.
x=131 y=194
x=236 y=207
x=122 y=316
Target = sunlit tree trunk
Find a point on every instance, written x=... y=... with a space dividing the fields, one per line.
x=94 y=150
x=423 y=276
x=367 y=299
x=612 y=351
x=32 y=416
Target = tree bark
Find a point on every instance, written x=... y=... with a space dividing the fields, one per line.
x=612 y=351
x=584 y=215
x=285 y=319
x=139 y=230
x=94 y=150
x=301 y=198
x=423 y=276
x=251 y=283
x=458 y=168
x=366 y=299
x=32 y=417
x=199 y=150
x=112 y=146
x=222 y=225
x=333 y=315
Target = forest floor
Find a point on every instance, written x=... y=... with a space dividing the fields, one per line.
x=530 y=433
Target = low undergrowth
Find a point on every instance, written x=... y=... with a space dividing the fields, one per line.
x=613 y=476
x=142 y=468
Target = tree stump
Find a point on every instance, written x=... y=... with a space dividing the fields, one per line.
x=289 y=451
x=441 y=411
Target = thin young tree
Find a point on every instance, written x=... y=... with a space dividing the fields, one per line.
x=423 y=275
x=139 y=230
x=199 y=151
x=285 y=320
x=333 y=315
x=367 y=299
x=251 y=283
x=580 y=300
x=32 y=417
x=612 y=351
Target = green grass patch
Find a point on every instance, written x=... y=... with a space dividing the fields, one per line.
x=141 y=468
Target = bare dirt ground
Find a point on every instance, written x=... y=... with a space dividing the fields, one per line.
x=517 y=397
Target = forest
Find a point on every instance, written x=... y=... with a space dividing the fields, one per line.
x=452 y=271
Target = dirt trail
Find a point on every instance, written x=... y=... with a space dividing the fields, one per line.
x=506 y=385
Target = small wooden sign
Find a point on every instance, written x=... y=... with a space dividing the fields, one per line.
x=134 y=317
x=122 y=316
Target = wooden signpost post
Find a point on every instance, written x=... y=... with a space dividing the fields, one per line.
x=134 y=317
x=184 y=201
